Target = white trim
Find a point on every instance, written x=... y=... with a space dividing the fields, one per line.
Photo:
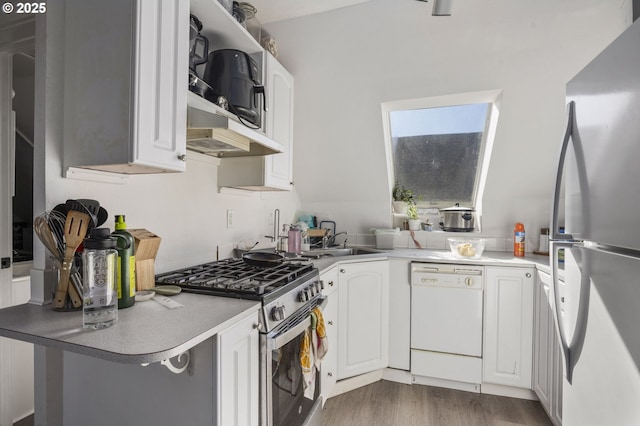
x=448 y=384
x=397 y=376
x=442 y=100
x=202 y=158
x=352 y=383
x=236 y=191
x=96 y=176
x=509 y=391
x=18 y=36
x=6 y=184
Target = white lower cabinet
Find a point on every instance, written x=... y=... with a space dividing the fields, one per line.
x=508 y=326
x=363 y=313
x=329 y=373
x=21 y=360
x=547 y=356
x=399 y=314
x=237 y=352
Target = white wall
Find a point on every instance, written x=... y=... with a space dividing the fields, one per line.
x=349 y=61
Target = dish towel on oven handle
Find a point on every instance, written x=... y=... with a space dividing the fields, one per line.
x=313 y=347
x=308 y=365
x=319 y=336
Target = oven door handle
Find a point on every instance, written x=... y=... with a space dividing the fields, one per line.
x=280 y=340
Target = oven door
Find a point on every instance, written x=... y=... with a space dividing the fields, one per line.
x=281 y=376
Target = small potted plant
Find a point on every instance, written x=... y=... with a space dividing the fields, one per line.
x=402 y=198
x=412 y=215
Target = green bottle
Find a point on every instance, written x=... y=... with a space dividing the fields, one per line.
x=126 y=279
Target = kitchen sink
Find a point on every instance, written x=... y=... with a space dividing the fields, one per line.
x=339 y=251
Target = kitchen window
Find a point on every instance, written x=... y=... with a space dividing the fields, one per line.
x=440 y=147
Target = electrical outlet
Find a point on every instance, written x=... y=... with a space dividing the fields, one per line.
x=229 y=218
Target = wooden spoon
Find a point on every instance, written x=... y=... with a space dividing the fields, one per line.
x=75 y=230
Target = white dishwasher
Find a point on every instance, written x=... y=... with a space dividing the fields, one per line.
x=446 y=324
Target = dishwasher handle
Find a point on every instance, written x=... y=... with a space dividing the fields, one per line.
x=417 y=267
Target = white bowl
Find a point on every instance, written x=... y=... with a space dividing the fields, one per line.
x=466 y=247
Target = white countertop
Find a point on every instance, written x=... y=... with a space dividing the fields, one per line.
x=145 y=332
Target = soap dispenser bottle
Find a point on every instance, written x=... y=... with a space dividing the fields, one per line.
x=294 y=240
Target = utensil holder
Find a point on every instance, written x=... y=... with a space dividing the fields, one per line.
x=75 y=280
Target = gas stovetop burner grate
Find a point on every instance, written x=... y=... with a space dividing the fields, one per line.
x=233 y=277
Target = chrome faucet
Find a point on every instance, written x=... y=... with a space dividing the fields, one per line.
x=328 y=241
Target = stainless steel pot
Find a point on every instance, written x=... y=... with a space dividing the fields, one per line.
x=458 y=219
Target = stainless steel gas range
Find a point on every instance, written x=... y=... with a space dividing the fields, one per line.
x=288 y=292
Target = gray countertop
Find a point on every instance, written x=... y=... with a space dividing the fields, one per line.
x=145 y=332
x=150 y=332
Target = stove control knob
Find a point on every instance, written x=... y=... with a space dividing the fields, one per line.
x=312 y=290
x=278 y=313
x=303 y=296
x=321 y=284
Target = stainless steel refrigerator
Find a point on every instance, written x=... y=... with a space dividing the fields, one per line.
x=597 y=200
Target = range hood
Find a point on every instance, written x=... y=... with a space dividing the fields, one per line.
x=213 y=131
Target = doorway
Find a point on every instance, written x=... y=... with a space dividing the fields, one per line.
x=17 y=66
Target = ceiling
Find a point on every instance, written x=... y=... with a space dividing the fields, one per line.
x=277 y=10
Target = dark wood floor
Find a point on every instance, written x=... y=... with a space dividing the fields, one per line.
x=388 y=403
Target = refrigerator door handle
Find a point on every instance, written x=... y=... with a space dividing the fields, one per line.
x=554 y=246
x=568 y=135
x=573 y=349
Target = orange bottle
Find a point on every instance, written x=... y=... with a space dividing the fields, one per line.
x=518 y=240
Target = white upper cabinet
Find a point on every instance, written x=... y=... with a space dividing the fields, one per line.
x=279 y=124
x=125 y=85
x=271 y=172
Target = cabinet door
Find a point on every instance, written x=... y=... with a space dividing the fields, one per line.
x=508 y=332
x=542 y=351
x=279 y=124
x=21 y=360
x=125 y=86
x=160 y=103
x=237 y=393
x=363 y=289
x=399 y=314
x=330 y=363
x=547 y=379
